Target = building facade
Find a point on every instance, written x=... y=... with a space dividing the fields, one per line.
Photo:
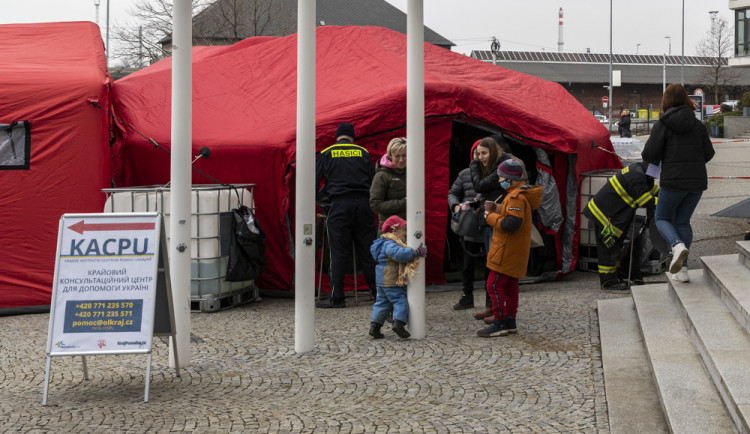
x=643 y=77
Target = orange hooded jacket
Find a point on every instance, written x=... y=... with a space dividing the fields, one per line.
x=509 y=251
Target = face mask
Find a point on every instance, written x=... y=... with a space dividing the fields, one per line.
x=505 y=184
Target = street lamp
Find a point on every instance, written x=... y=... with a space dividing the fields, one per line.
x=670 y=44
x=96 y=3
x=713 y=19
x=636 y=48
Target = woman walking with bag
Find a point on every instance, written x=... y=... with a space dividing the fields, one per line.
x=680 y=143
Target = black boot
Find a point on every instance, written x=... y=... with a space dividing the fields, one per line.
x=466 y=302
x=615 y=285
x=375 y=330
x=398 y=328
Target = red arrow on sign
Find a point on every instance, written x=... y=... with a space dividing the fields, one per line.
x=80 y=227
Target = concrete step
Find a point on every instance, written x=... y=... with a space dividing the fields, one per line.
x=632 y=399
x=744 y=249
x=688 y=397
x=729 y=278
x=723 y=345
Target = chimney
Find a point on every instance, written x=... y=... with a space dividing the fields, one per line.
x=560 y=35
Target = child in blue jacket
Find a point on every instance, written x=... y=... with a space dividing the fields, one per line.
x=396 y=262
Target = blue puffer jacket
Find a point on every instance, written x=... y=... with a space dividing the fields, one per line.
x=388 y=254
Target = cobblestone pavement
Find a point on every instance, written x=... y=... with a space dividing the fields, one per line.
x=245 y=376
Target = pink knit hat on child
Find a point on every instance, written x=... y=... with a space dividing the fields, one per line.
x=393 y=222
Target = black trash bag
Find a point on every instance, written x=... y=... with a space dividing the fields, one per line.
x=247 y=250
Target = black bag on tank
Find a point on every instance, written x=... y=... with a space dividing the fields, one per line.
x=247 y=250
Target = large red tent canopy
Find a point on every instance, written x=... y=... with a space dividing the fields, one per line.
x=50 y=75
x=244 y=109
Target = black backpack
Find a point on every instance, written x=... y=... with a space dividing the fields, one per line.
x=247 y=252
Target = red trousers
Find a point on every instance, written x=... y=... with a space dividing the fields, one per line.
x=503 y=291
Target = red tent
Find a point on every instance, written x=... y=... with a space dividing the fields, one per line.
x=54 y=152
x=244 y=109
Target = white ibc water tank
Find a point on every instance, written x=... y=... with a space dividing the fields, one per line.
x=211 y=224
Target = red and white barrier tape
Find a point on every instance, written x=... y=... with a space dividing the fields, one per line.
x=729 y=177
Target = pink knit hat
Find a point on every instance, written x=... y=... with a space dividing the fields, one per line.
x=473 y=148
x=393 y=222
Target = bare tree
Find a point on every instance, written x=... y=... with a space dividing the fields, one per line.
x=219 y=22
x=229 y=21
x=139 y=44
x=717 y=47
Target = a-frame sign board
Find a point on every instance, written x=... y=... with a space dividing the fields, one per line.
x=112 y=292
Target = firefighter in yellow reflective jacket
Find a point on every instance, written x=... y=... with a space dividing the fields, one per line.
x=613 y=209
x=348 y=171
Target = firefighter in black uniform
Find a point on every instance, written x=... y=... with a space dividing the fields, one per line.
x=348 y=171
x=613 y=209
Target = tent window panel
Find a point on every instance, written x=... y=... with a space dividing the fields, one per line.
x=15 y=146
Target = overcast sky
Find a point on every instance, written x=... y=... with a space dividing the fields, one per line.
x=525 y=25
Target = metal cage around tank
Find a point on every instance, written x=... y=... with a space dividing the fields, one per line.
x=211 y=234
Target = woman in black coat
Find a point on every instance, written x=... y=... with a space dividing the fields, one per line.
x=624 y=125
x=460 y=195
x=680 y=143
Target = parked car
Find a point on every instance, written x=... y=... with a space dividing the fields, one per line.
x=732 y=103
x=601 y=118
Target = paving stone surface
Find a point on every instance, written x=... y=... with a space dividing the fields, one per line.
x=245 y=376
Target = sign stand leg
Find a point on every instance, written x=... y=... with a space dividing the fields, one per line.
x=176 y=356
x=46 y=382
x=85 y=368
x=148 y=376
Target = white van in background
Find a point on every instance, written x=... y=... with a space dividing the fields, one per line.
x=735 y=104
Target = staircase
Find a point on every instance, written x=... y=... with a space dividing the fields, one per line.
x=676 y=356
x=744 y=136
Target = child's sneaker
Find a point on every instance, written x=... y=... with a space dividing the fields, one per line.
x=399 y=329
x=375 y=330
x=497 y=328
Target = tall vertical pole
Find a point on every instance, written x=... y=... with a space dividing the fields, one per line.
x=415 y=215
x=182 y=137
x=140 y=46
x=106 y=47
x=304 y=247
x=560 y=32
x=682 y=55
x=610 y=101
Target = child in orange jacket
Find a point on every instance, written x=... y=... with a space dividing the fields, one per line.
x=508 y=257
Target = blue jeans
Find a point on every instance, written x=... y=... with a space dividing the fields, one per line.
x=390 y=298
x=673 y=212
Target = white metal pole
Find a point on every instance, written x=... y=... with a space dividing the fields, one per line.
x=682 y=55
x=182 y=136
x=106 y=51
x=664 y=73
x=304 y=235
x=415 y=215
x=609 y=101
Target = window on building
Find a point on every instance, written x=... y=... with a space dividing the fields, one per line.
x=15 y=146
x=741 y=36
